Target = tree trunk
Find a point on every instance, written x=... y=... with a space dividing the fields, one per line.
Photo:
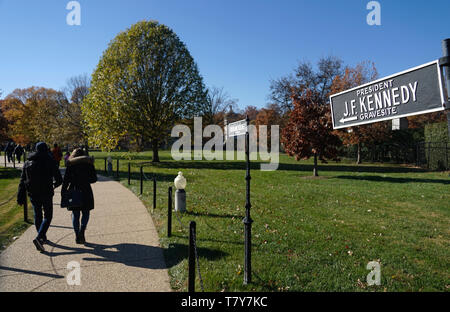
x=155 y=150
x=358 y=157
x=315 y=172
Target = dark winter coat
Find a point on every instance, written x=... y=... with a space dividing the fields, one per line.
x=19 y=151
x=10 y=148
x=39 y=175
x=80 y=174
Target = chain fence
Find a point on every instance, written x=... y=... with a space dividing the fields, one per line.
x=198 y=260
x=145 y=176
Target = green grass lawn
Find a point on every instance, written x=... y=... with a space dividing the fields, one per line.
x=309 y=234
x=11 y=214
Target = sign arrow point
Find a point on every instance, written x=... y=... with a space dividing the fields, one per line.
x=344 y=120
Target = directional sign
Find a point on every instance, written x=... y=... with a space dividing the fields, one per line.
x=412 y=92
x=237 y=128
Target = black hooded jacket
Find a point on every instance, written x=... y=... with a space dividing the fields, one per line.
x=40 y=175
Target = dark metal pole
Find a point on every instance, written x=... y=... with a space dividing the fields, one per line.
x=106 y=171
x=417 y=155
x=14 y=160
x=142 y=180
x=446 y=154
x=25 y=209
x=129 y=173
x=248 y=220
x=446 y=54
x=429 y=155
x=117 y=173
x=169 y=214
x=191 y=275
x=5 y=160
x=154 y=193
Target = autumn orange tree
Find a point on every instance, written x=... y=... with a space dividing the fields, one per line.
x=367 y=135
x=309 y=131
x=3 y=124
x=269 y=116
x=34 y=114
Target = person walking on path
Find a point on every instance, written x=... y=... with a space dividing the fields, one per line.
x=39 y=178
x=10 y=151
x=57 y=154
x=80 y=174
x=18 y=151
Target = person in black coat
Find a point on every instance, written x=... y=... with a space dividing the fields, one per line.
x=19 y=152
x=10 y=151
x=39 y=178
x=80 y=174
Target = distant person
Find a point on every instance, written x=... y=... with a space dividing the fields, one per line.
x=10 y=151
x=57 y=154
x=18 y=151
x=80 y=174
x=40 y=177
x=110 y=165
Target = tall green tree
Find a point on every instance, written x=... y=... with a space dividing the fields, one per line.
x=145 y=82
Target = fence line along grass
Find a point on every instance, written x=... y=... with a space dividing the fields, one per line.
x=309 y=234
x=11 y=214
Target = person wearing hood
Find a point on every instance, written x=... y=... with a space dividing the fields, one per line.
x=39 y=178
x=80 y=174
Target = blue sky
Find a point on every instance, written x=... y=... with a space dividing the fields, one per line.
x=238 y=45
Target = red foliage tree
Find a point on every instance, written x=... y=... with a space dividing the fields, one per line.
x=370 y=134
x=267 y=117
x=309 y=131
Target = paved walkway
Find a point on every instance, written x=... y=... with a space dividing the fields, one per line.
x=122 y=253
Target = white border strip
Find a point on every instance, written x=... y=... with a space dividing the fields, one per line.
x=392 y=117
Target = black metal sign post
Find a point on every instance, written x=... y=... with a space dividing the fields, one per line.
x=445 y=62
x=232 y=130
x=248 y=220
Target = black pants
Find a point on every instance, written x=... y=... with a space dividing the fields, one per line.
x=42 y=221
